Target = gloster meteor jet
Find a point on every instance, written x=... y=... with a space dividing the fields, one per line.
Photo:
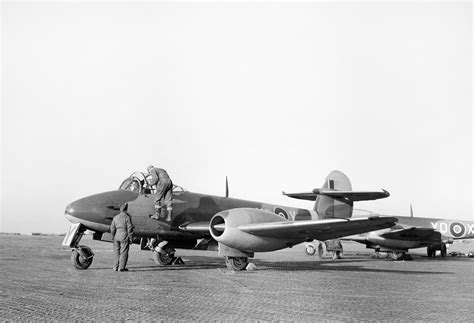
x=415 y=232
x=238 y=228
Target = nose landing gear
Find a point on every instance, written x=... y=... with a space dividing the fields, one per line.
x=82 y=257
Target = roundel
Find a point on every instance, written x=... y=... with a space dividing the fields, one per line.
x=281 y=212
x=457 y=229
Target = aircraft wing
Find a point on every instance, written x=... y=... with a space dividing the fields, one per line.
x=413 y=233
x=317 y=229
x=351 y=196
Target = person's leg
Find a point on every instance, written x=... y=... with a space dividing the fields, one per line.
x=158 y=200
x=168 y=200
x=116 y=254
x=124 y=246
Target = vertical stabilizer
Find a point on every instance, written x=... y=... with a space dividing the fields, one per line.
x=329 y=207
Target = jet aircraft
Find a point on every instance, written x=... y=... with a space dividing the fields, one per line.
x=415 y=232
x=239 y=228
x=409 y=233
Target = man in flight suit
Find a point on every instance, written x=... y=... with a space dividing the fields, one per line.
x=122 y=231
x=164 y=192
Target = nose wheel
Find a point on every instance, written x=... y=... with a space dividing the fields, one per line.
x=82 y=257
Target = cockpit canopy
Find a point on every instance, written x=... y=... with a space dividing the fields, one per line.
x=139 y=182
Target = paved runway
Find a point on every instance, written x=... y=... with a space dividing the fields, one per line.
x=39 y=282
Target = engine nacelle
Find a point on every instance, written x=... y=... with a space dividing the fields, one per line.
x=224 y=228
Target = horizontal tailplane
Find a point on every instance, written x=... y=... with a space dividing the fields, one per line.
x=335 y=198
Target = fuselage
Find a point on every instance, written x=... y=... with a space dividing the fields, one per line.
x=97 y=211
x=455 y=229
x=432 y=232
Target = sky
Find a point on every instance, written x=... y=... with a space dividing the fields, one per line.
x=272 y=95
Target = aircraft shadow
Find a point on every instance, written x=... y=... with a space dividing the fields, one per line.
x=345 y=265
x=189 y=264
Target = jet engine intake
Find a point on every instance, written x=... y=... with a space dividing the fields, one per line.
x=224 y=228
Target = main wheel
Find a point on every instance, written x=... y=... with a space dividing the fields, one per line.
x=310 y=249
x=236 y=263
x=381 y=254
x=164 y=259
x=82 y=257
x=397 y=255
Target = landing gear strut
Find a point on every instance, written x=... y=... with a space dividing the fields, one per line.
x=431 y=250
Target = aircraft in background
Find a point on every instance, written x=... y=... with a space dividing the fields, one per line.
x=408 y=233
x=414 y=232
x=238 y=227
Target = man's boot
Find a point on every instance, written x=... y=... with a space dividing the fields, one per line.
x=156 y=215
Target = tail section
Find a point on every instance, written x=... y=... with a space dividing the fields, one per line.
x=335 y=199
x=330 y=207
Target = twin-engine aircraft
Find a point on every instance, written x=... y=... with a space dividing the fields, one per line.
x=414 y=232
x=238 y=227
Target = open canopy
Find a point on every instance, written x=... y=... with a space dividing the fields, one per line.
x=138 y=182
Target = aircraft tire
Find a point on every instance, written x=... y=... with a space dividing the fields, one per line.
x=443 y=250
x=381 y=254
x=310 y=249
x=320 y=250
x=163 y=259
x=397 y=255
x=79 y=261
x=236 y=263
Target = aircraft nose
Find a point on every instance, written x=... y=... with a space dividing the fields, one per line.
x=97 y=210
x=69 y=210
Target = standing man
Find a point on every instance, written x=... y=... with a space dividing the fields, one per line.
x=164 y=192
x=122 y=231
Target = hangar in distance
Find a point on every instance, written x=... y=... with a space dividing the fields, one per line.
x=239 y=228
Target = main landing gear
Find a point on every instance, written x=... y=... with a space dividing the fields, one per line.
x=398 y=255
x=162 y=254
x=394 y=255
x=431 y=250
x=236 y=263
x=164 y=258
x=381 y=254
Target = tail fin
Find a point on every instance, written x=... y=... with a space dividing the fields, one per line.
x=336 y=197
x=328 y=206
